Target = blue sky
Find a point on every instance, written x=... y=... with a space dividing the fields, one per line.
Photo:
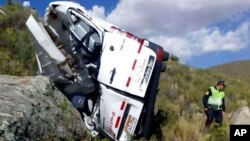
x=201 y=33
x=40 y=5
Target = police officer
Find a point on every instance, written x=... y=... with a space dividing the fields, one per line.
x=214 y=104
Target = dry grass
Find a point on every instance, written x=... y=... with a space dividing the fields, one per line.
x=187 y=130
x=192 y=129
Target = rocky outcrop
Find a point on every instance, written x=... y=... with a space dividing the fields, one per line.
x=32 y=109
x=241 y=116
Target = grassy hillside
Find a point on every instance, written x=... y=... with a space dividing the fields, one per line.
x=239 y=70
x=180 y=111
x=16 y=53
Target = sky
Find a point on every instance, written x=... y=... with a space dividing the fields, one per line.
x=202 y=33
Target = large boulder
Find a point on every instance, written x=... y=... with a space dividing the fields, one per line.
x=32 y=109
x=241 y=116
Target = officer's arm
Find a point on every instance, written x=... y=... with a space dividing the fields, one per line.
x=208 y=93
x=223 y=105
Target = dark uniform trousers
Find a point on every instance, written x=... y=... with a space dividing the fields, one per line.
x=214 y=114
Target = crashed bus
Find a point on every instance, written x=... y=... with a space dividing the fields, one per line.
x=110 y=75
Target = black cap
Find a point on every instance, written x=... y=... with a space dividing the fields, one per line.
x=221 y=82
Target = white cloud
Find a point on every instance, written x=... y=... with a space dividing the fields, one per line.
x=184 y=27
x=206 y=40
x=151 y=17
x=97 y=11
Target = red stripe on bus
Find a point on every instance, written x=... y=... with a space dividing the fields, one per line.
x=141 y=42
x=123 y=105
x=133 y=67
x=128 y=81
x=117 y=121
x=129 y=35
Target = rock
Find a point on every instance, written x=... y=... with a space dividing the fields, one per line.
x=241 y=116
x=32 y=109
x=173 y=91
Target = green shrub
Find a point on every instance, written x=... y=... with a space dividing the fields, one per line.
x=17 y=54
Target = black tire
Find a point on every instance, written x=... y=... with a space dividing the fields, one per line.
x=165 y=56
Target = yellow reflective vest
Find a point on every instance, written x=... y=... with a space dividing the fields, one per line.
x=215 y=100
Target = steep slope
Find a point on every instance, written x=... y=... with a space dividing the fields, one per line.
x=239 y=70
x=180 y=111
